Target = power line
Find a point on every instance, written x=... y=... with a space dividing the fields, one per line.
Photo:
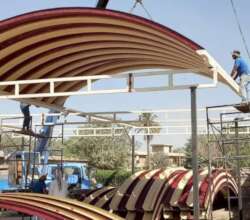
x=240 y=29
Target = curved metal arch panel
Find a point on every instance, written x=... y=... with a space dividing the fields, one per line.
x=149 y=194
x=49 y=207
x=69 y=42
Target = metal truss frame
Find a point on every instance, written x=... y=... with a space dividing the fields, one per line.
x=226 y=132
x=130 y=87
x=89 y=80
x=116 y=123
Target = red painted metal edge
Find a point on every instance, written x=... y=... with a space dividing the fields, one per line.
x=29 y=210
x=78 y=11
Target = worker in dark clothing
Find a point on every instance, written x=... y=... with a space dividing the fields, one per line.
x=242 y=71
x=39 y=186
x=25 y=108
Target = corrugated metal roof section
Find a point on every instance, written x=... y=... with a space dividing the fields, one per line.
x=169 y=192
x=69 y=42
x=52 y=207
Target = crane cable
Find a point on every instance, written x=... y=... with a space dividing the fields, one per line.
x=240 y=29
x=133 y=7
x=144 y=8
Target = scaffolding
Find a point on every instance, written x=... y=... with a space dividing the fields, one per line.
x=220 y=121
x=24 y=161
x=228 y=137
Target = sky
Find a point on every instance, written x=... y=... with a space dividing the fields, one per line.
x=210 y=23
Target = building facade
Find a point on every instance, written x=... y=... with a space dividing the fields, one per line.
x=164 y=152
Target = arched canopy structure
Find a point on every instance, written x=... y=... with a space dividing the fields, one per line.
x=69 y=42
x=168 y=192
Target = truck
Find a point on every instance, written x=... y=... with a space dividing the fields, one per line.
x=76 y=174
x=25 y=167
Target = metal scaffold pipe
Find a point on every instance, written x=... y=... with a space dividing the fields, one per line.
x=238 y=170
x=133 y=154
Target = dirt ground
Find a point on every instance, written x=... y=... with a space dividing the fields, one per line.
x=220 y=214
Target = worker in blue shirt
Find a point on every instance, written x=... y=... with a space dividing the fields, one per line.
x=242 y=71
x=25 y=108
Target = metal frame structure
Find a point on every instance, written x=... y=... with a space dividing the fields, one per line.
x=169 y=123
x=89 y=80
x=113 y=118
x=39 y=53
x=227 y=132
x=32 y=140
x=44 y=46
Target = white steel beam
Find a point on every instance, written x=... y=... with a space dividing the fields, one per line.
x=70 y=129
x=64 y=109
x=220 y=71
x=14 y=121
x=89 y=80
x=117 y=131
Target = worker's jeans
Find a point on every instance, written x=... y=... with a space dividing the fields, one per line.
x=26 y=113
x=244 y=83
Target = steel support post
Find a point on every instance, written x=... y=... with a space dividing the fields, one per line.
x=195 y=154
x=148 y=151
x=133 y=153
x=238 y=169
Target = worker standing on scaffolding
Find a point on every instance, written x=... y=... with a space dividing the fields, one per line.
x=242 y=71
x=25 y=108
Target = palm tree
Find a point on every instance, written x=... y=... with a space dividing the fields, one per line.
x=148 y=119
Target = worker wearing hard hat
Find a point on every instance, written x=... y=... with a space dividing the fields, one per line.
x=242 y=71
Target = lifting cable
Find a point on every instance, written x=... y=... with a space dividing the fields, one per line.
x=144 y=8
x=240 y=29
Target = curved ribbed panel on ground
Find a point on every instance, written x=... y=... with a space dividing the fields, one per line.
x=53 y=208
x=101 y=197
x=84 y=41
x=153 y=194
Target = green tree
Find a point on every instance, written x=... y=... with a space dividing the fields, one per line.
x=217 y=149
x=8 y=144
x=103 y=152
x=159 y=160
x=148 y=119
x=201 y=147
x=244 y=149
